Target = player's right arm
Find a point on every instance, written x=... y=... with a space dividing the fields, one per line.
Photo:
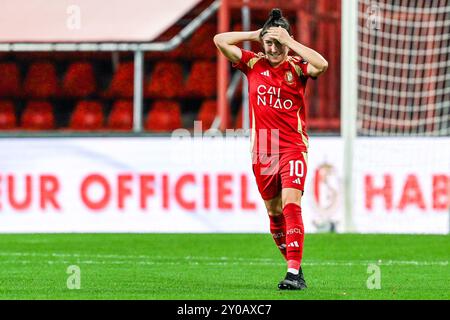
x=226 y=43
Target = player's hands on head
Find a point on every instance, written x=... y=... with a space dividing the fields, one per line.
x=279 y=34
x=256 y=35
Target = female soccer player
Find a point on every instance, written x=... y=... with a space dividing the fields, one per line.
x=279 y=140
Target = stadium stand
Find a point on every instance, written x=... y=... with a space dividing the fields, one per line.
x=79 y=80
x=87 y=116
x=41 y=80
x=186 y=75
x=176 y=54
x=122 y=82
x=164 y=116
x=166 y=81
x=202 y=80
x=8 y=119
x=238 y=119
x=207 y=113
x=9 y=79
x=121 y=116
x=38 y=115
x=200 y=45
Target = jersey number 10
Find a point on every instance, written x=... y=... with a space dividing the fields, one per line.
x=297 y=166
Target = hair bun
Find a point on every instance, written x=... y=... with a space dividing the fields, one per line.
x=276 y=14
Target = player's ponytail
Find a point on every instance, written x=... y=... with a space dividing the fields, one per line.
x=276 y=14
x=276 y=19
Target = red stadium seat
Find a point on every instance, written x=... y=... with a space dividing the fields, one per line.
x=121 y=116
x=122 y=83
x=38 y=115
x=9 y=80
x=41 y=80
x=8 y=118
x=166 y=81
x=207 y=113
x=79 y=80
x=164 y=116
x=202 y=81
x=201 y=44
x=87 y=116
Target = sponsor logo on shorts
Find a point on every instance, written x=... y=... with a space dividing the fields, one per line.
x=295 y=230
x=297 y=181
x=277 y=235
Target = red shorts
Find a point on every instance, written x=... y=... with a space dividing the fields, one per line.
x=273 y=173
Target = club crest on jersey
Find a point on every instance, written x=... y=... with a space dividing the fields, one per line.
x=289 y=77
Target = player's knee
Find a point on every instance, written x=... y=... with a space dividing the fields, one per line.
x=292 y=197
x=274 y=212
x=274 y=207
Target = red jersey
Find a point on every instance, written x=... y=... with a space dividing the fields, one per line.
x=277 y=103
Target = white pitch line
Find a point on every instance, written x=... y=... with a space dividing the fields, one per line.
x=327 y=263
x=127 y=257
x=113 y=262
x=199 y=260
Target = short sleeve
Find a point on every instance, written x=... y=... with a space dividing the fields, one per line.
x=301 y=67
x=244 y=63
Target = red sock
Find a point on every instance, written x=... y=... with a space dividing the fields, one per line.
x=294 y=235
x=278 y=231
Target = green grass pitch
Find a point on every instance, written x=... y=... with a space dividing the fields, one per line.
x=220 y=266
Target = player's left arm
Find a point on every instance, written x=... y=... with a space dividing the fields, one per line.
x=317 y=64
